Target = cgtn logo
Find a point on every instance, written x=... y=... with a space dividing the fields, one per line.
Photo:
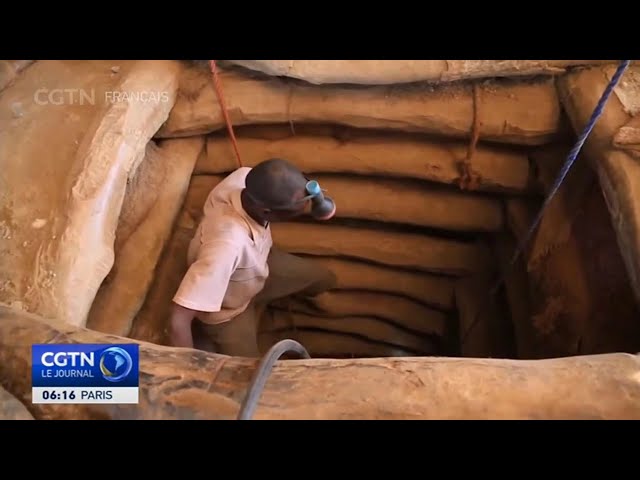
x=115 y=364
x=94 y=373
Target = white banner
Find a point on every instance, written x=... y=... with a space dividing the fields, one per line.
x=71 y=395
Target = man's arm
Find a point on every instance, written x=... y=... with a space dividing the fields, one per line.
x=202 y=289
x=180 y=326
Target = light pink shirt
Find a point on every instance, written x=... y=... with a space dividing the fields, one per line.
x=227 y=256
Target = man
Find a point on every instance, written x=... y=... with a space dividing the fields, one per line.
x=234 y=270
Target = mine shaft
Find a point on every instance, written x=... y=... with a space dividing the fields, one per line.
x=479 y=274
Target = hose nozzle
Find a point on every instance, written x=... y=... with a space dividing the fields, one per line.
x=322 y=208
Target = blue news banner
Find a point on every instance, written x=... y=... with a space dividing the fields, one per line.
x=85 y=373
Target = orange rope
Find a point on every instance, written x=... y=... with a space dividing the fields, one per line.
x=223 y=107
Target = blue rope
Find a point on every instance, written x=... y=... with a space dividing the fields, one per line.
x=573 y=154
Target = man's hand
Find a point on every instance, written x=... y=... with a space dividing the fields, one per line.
x=180 y=327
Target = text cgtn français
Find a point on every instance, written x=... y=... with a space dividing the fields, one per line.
x=138 y=96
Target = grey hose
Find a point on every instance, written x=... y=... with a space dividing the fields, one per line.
x=262 y=373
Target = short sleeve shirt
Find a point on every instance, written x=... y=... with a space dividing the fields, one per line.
x=227 y=257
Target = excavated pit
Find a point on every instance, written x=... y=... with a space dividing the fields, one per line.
x=416 y=245
x=426 y=224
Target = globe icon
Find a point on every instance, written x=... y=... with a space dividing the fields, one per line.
x=115 y=364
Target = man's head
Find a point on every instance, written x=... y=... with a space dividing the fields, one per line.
x=274 y=191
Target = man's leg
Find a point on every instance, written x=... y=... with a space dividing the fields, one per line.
x=201 y=337
x=238 y=336
x=289 y=274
